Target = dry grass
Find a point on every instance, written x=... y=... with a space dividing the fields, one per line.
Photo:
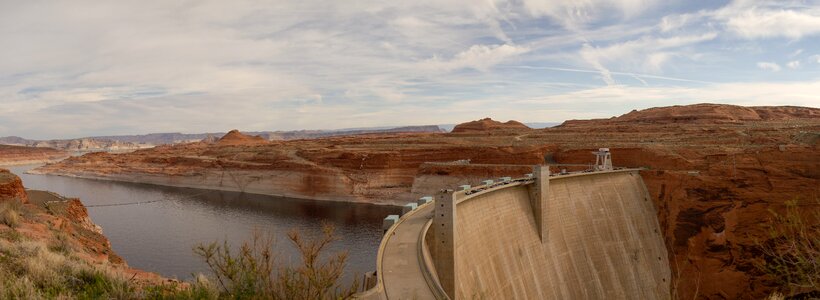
x=29 y=270
x=10 y=213
x=792 y=253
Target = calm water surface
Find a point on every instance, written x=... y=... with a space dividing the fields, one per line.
x=159 y=236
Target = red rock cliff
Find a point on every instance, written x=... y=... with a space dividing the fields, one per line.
x=11 y=187
x=488 y=124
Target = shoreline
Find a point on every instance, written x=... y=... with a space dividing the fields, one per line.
x=216 y=189
x=30 y=162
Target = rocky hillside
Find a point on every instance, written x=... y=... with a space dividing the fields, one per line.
x=488 y=124
x=713 y=177
x=19 y=155
x=236 y=138
x=75 y=145
x=706 y=113
x=52 y=247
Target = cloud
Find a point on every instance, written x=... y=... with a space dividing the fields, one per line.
x=646 y=54
x=479 y=57
x=769 y=66
x=629 y=97
x=120 y=67
x=575 y=14
x=795 y=64
x=673 y=22
x=753 y=22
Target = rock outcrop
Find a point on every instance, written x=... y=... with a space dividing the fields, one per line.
x=488 y=124
x=20 y=155
x=236 y=138
x=11 y=187
x=706 y=113
x=712 y=178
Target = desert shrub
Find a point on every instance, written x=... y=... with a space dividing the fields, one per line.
x=792 y=253
x=10 y=213
x=201 y=288
x=254 y=273
x=60 y=243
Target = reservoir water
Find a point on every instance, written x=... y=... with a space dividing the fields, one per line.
x=159 y=236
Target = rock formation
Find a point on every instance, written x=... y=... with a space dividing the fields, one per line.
x=19 y=155
x=11 y=187
x=706 y=113
x=713 y=177
x=488 y=124
x=236 y=138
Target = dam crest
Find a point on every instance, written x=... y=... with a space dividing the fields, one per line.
x=582 y=235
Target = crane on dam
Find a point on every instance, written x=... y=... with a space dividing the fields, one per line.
x=603 y=160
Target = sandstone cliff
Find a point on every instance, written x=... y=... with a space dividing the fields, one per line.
x=706 y=113
x=488 y=124
x=236 y=138
x=11 y=187
x=19 y=155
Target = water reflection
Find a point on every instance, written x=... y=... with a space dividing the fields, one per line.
x=159 y=233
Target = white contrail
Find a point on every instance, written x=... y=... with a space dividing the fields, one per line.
x=613 y=73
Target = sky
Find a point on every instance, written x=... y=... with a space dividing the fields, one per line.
x=84 y=68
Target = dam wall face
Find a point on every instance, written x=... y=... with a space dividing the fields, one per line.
x=600 y=239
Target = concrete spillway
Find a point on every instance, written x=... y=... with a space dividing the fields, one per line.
x=580 y=236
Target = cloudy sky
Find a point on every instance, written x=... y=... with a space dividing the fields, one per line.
x=81 y=68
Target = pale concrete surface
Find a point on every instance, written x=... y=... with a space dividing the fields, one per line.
x=601 y=242
x=402 y=264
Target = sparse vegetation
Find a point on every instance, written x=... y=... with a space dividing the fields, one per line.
x=29 y=270
x=254 y=273
x=792 y=253
x=38 y=270
x=10 y=212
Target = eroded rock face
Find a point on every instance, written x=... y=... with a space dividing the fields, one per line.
x=712 y=179
x=706 y=113
x=488 y=124
x=236 y=138
x=15 y=155
x=11 y=187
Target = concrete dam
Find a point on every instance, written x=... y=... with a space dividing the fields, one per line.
x=584 y=235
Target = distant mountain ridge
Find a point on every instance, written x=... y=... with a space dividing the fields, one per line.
x=122 y=142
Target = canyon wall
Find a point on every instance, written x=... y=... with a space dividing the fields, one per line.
x=713 y=179
x=20 y=155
